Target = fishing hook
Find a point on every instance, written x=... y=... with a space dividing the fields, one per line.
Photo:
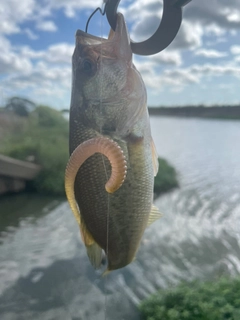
x=92 y=14
x=164 y=35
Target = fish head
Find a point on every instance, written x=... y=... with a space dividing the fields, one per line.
x=107 y=90
x=100 y=66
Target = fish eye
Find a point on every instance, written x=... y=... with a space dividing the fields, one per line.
x=87 y=66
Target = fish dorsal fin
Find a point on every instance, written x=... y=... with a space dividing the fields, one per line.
x=94 y=252
x=154 y=158
x=155 y=214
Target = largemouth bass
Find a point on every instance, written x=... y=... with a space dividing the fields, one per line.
x=110 y=136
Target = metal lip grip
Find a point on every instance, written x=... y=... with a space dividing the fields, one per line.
x=164 y=35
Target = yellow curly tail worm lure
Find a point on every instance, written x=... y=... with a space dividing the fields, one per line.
x=108 y=148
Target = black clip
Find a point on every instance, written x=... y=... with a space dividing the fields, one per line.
x=166 y=32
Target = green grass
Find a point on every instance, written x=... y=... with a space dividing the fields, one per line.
x=166 y=178
x=219 y=300
x=44 y=137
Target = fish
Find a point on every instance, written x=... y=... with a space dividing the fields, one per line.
x=113 y=160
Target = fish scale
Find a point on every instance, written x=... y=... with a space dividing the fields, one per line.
x=114 y=222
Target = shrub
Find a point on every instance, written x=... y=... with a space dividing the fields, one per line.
x=219 y=300
x=20 y=106
x=166 y=178
x=45 y=139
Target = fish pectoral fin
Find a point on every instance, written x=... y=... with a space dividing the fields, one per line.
x=154 y=158
x=155 y=214
x=94 y=251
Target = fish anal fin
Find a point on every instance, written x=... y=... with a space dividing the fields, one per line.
x=154 y=158
x=94 y=251
x=85 y=234
x=154 y=215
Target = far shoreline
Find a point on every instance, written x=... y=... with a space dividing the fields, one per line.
x=205 y=112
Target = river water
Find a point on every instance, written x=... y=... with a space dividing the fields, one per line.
x=45 y=273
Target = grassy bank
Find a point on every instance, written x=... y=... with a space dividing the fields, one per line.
x=219 y=300
x=42 y=137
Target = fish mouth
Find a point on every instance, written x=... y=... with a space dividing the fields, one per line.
x=85 y=38
x=89 y=39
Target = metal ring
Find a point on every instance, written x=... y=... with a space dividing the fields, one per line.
x=164 y=35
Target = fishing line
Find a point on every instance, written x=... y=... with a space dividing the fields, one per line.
x=104 y=165
x=102 y=11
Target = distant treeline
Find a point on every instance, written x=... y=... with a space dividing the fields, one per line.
x=217 y=112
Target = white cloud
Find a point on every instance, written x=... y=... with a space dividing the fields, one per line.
x=71 y=7
x=234 y=16
x=11 y=62
x=60 y=53
x=46 y=26
x=235 y=49
x=222 y=13
x=40 y=81
x=210 y=53
x=181 y=77
x=211 y=70
x=163 y=58
x=216 y=41
x=188 y=37
x=215 y=30
x=13 y=12
x=56 y=54
x=139 y=10
x=168 y=57
x=42 y=73
x=176 y=79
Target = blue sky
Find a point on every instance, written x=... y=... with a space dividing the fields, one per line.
x=201 y=66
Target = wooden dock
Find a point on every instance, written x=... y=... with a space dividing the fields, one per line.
x=15 y=173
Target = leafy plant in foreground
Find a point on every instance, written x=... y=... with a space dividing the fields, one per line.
x=219 y=300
